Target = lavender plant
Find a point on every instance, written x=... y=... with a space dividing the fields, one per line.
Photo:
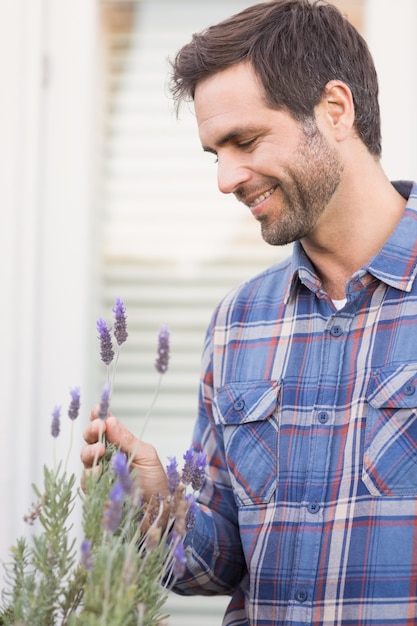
x=119 y=571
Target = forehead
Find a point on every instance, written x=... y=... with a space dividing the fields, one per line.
x=232 y=94
x=235 y=78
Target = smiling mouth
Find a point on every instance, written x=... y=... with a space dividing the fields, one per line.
x=262 y=197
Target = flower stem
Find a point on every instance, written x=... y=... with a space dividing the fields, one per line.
x=148 y=414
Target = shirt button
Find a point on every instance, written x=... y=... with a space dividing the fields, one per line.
x=409 y=389
x=301 y=595
x=238 y=405
x=336 y=331
x=323 y=416
x=313 y=507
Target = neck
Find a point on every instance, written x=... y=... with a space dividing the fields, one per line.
x=353 y=228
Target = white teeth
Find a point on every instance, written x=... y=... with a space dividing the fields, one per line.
x=263 y=196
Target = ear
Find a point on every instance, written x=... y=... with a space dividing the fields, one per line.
x=338 y=109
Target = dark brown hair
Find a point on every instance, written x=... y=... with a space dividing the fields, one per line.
x=295 y=47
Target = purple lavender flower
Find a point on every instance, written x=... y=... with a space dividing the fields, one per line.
x=56 y=426
x=103 y=411
x=194 y=469
x=190 y=515
x=180 y=559
x=106 y=346
x=74 y=407
x=173 y=475
x=86 y=556
x=113 y=509
x=199 y=471
x=120 y=331
x=161 y=362
x=121 y=469
x=188 y=469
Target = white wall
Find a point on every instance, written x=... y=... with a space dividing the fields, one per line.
x=390 y=31
x=47 y=62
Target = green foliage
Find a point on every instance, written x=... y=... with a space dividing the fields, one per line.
x=119 y=574
x=118 y=581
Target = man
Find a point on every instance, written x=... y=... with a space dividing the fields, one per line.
x=308 y=396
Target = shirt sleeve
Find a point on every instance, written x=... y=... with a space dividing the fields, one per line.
x=215 y=560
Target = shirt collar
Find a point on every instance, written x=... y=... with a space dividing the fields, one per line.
x=396 y=262
x=302 y=271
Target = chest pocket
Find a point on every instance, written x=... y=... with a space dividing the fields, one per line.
x=247 y=413
x=390 y=449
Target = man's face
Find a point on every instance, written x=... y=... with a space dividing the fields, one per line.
x=284 y=171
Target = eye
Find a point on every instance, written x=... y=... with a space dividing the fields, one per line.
x=244 y=145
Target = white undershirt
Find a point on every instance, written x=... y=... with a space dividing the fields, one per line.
x=339 y=304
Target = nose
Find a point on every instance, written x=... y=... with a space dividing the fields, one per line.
x=231 y=173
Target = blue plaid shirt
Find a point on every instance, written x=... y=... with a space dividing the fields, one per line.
x=308 y=416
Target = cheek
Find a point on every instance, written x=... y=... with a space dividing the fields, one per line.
x=275 y=158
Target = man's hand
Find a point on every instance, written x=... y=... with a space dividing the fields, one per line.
x=143 y=456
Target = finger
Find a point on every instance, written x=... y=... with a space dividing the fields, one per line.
x=94 y=430
x=95 y=412
x=121 y=436
x=139 y=452
x=91 y=453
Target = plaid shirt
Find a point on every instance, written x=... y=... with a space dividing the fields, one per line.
x=308 y=416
